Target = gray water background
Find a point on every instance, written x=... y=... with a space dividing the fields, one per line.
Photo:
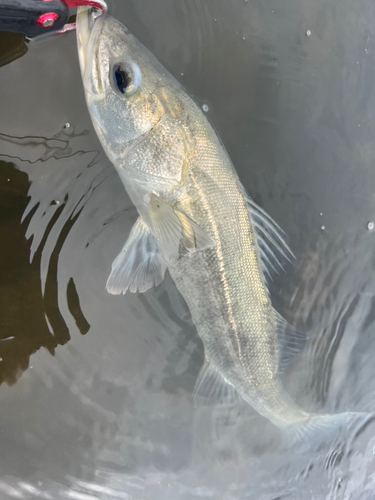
x=95 y=400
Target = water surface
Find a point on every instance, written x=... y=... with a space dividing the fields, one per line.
x=96 y=389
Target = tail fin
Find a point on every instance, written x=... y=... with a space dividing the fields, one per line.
x=317 y=428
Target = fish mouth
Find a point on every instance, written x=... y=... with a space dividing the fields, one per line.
x=96 y=40
x=89 y=28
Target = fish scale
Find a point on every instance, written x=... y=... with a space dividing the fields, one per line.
x=196 y=220
x=239 y=343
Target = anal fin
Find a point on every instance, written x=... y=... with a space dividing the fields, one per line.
x=211 y=388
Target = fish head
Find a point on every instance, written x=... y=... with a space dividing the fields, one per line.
x=141 y=114
x=122 y=81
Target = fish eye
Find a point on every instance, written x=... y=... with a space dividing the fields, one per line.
x=125 y=78
x=122 y=79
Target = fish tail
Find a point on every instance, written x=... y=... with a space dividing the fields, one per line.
x=317 y=428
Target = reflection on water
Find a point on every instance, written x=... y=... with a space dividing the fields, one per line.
x=12 y=46
x=29 y=281
x=105 y=411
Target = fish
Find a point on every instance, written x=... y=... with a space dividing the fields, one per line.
x=196 y=220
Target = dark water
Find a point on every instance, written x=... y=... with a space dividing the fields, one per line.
x=96 y=389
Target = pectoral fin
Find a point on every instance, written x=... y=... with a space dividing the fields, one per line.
x=140 y=265
x=211 y=388
x=176 y=233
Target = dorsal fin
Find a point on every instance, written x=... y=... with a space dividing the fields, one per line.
x=291 y=341
x=273 y=249
x=275 y=253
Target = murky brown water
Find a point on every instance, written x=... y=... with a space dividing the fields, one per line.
x=96 y=389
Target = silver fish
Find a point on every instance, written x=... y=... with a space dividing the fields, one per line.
x=195 y=219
